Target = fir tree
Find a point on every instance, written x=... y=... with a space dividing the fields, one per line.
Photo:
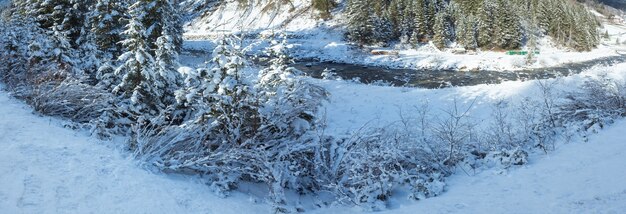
x=137 y=67
x=360 y=27
x=485 y=24
x=420 y=30
x=508 y=30
x=107 y=26
x=442 y=31
x=166 y=67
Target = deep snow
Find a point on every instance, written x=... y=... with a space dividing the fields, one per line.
x=46 y=168
x=577 y=178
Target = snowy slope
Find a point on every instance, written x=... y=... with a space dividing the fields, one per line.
x=255 y=15
x=314 y=38
x=45 y=168
x=577 y=178
x=352 y=105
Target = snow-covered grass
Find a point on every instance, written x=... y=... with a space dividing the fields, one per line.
x=577 y=178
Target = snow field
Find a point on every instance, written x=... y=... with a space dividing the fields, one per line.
x=46 y=168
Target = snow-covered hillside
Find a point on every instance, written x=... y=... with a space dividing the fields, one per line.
x=578 y=178
x=314 y=38
x=254 y=15
x=48 y=168
x=98 y=116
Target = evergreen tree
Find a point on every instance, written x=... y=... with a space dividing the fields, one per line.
x=485 y=24
x=360 y=27
x=407 y=22
x=324 y=7
x=107 y=25
x=137 y=67
x=62 y=50
x=508 y=31
x=420 y=31
x=442 y=29
x=162 y=16
x=166 y=67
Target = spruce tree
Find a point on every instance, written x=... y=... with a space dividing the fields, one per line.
x=442 y=29
x=166 y=67
x=508 y=30
x=360 y=27
x=107 y=25
x=137 y=68
x=420 y=31
x=485 y=24
x=162 y=15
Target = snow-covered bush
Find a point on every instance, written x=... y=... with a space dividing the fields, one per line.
x=597 y=104
x=507 y=158
x=365 y=169
x=70 y=99
x=232 y=130
x=51 y=86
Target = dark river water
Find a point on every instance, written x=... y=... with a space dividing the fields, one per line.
x=427 y=78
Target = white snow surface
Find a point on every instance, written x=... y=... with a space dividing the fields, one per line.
x=576 y=178
x=324 y=40
x=45 y=168
x=352 y=105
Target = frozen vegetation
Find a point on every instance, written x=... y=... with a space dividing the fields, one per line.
x=120 y=126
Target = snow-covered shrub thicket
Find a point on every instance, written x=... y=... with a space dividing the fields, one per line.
x=600 y=101
x=32 y=71
x=364 y=169
x=230 y=125
x=235 y=130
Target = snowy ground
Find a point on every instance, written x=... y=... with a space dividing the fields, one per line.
x=577 y=178
x=45 y=168
x=352 y=105
x=323 y=40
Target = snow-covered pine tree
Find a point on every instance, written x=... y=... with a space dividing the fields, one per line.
x=88 y=55
x=62 y=51
x=392 y=15
x=508 y=30
x=429 y=15
x=167 y=67
x=382 y=29
x=288 y=104
x=137 y=68
x=76 y=19
x=407 y=23
x=471 y=40
x=287 y=110
x=420 y=31
x=162 y=16
x=233 y=107
x=442 y=29
x=360 y=27
x=485 y=24
x=220 y=96
x=107 y=25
